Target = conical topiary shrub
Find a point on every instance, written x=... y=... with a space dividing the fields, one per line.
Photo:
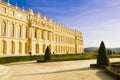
x=47 y=56
x=102 y=58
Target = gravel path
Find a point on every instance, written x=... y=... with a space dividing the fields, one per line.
x=66 y=70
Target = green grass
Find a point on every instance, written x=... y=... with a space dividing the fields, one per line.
x=116 y=64
x=114 y=55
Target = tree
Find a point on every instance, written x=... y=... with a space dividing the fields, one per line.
x=110 y=51
x=47 y=56
x=102 y=58
x=113 y=52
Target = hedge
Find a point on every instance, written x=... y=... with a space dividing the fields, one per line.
x=97 y=66
x=68 y=57
x=10 y=59
x=112 y=73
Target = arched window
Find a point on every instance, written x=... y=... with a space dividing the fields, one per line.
x=36 y=33
x=4 y=47
x=26 y=47
x=12 y=47
x=37 y=48
x=12 y=30
x=3 y=28
x=20 y=47
x=44 y=48
x=50 y=47
x=19 y=31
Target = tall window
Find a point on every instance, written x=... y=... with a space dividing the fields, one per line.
x=19 y=31
x=35 y=33
x=20 y=47
x=3 y=10
x=4 y=47
x=43 y=48
x=42 y=34
x=26 y=47
x=37 y=48
x=3 y=28
x=12 y=47
x=12 y=30
x=25 y=32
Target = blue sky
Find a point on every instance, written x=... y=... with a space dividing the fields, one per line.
x=98 y=20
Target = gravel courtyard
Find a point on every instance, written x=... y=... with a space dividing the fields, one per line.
x=66 y=70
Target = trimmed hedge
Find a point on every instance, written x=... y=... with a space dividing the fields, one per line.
x=97 y=66
x=68 y=57
x=57 y=57
x=108 y=70
x=10 y=59
x=113 y=73
x=48 y=55
x=102 y=58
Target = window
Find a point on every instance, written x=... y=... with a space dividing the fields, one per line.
x=37 y=48
x=20 y=47
x=12 y=13
x=12 y=47
x=3 y=10
x=42 y=34
x=19 y=31
x=4 y=47
x=25 y=18
x=26 y=30
x=35 y=33
x=3 y=28
x=12 y=30
x=19 y=16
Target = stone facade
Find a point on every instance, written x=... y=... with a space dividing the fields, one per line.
x=23 y=31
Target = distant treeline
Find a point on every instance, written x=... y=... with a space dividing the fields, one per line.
x=95 y=49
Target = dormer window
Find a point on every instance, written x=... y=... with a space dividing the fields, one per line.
x=19 y=16
x=3 y=10
x=12 y=13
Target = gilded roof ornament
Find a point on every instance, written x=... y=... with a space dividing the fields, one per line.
x=30 y=11
x=44 y=17
x=50 y=19
x=16 y=5
x=38 y=14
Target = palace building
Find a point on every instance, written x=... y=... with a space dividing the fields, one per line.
x=23 y=31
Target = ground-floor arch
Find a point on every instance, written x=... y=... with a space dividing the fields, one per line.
x=37 y=48
x=43 y=48
x=4 y=47
x=20 y=47
x=26 y=48
x=12 y=47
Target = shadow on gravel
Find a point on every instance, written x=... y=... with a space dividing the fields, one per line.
x=19 y=63
x=81 y=69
